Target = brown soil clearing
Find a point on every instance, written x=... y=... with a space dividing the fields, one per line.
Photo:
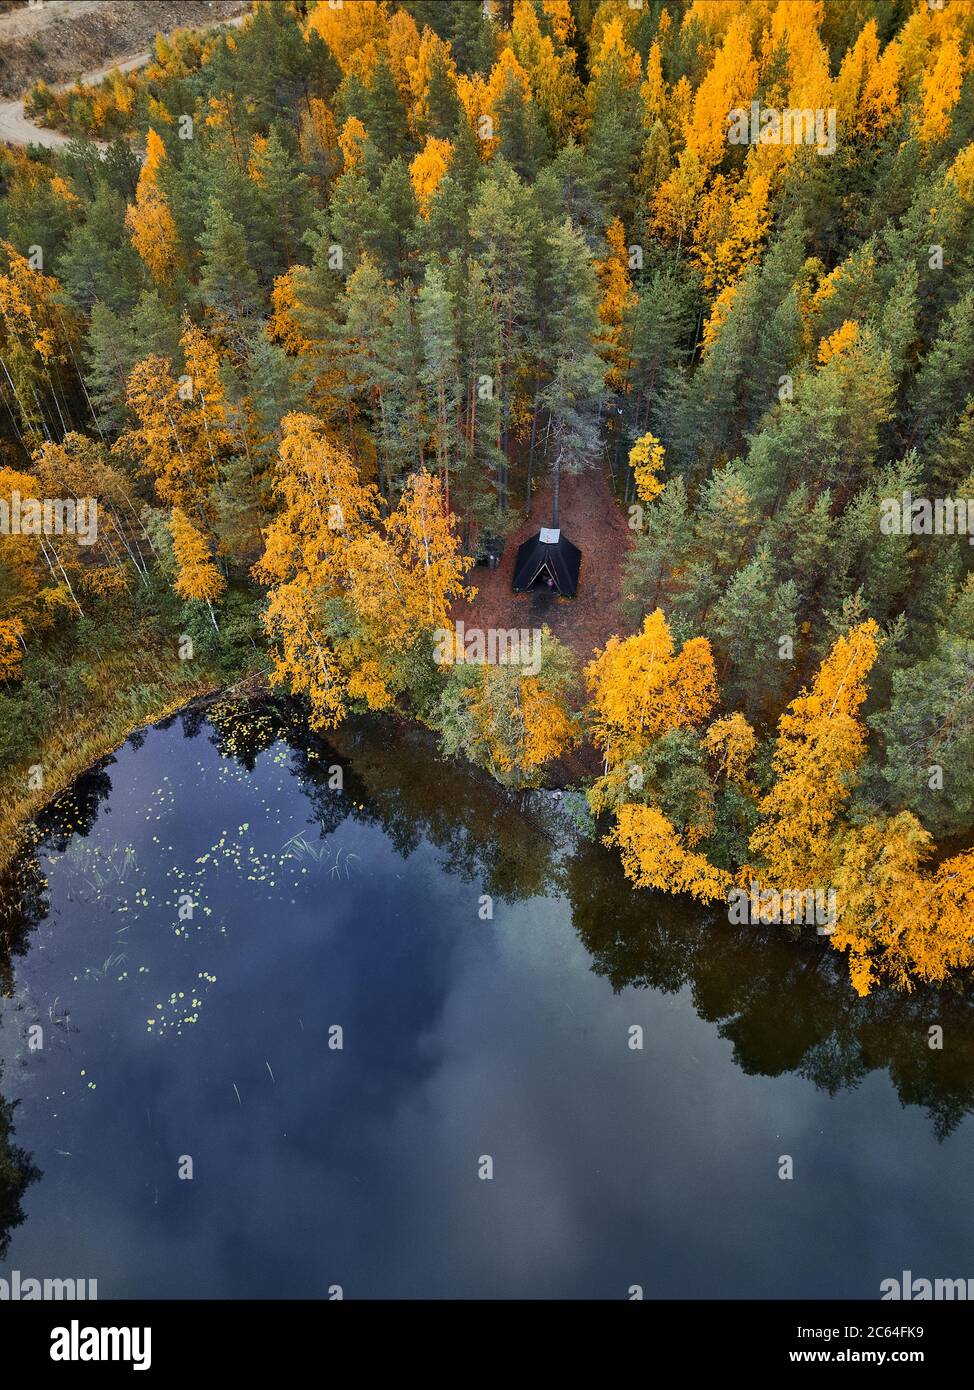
x=593 y=520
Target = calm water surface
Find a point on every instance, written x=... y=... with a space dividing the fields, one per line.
x=166 y=1035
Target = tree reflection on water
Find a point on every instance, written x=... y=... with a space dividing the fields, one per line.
x=784 y=1004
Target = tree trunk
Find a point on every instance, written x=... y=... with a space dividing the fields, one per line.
x=534 y=440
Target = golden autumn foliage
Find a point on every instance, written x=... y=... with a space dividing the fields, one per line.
x=24 y=605
x=432 y=53
x=518 y=725
x=717 y=317
x=402 y=51
x=732 y=743
x=226 y=116
x=351 y=142
x=899 y=921
x=506 y=76
x=82 y=551
x=324 y=510
x=942 y=940
x=880 y=100
x=838 y=342
x=197 y=577
x=319 y=133
x=63 y=190
x=858 y=65
x=355 y=33
x=476 y=101
x=348 y=596
x=617 y=301
x=961 y=173
x=733 y=223
x=821 y=742
x=283 y=327
x=797 y=24
x=654 y=856
x=731 y=82
x=711 y=17
x=550 y=66
x=32 y=322
x=422 y=535
x=652 y=93
x=155 y=441
x=427 y=169
x=941 y=92
x=510 y=714
x=646 y=459
x=676 y=201
x=640 y=689
x=182 y=431
x=104 y=564
x=630 y=123
x=867 y=89
x=11 y=649
x=613 y=51
x=851 y=279
x=559 y=12
x=406 y=576
x=149 y=220
x=256 y=158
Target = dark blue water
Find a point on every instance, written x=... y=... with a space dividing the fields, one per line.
x=463 y=1038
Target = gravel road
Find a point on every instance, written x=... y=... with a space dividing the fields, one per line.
x=16 y=129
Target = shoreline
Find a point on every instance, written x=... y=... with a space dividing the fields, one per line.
x=17 y=815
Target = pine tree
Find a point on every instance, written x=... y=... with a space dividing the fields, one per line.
x=286 y=199
x=573 y=394
x=98 y=261
x=228 y=284
x=384 y=113
x=753 y=615
x=440 y=373
x=658 y=328
x=943 y=382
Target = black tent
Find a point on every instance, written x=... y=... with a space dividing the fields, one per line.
x=548 y=555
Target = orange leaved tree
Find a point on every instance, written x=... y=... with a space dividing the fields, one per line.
x=821 y=742
x=641 y=688
x=350 y=596
x=197 y=577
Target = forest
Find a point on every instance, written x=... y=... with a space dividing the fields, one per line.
x=312 y=310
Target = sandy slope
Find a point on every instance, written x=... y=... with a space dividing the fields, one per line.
x=64 y=28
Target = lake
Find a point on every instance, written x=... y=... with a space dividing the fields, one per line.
x=283 y=1016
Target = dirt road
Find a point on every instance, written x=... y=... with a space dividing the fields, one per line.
x=15 y=128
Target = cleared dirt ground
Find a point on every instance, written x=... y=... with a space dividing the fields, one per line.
x=593 y=520
x=61 y=39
